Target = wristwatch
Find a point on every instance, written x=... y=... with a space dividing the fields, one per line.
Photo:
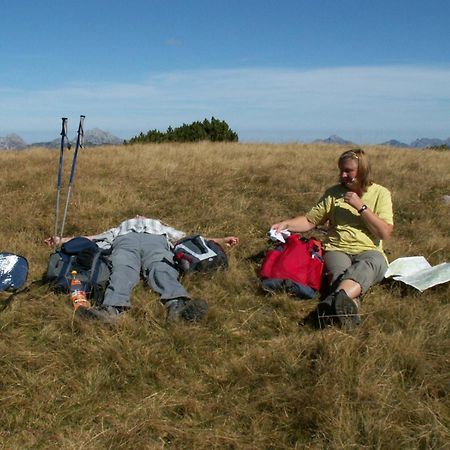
x=363 y=208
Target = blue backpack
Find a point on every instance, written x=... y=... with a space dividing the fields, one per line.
x=13 y=271
x=92 y=264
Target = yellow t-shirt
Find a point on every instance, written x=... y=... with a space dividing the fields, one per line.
x=347 y=232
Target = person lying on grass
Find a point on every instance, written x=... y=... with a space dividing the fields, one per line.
x=144 y=245
x=360 y=217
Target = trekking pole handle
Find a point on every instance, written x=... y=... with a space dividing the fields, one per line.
x=79 y=145
x=81 y=131
x=64 y=127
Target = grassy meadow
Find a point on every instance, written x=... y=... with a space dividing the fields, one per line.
x=253 y=375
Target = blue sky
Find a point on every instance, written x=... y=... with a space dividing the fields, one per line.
x=366 y=70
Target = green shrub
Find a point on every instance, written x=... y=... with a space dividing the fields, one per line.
x=215 y=130
x=439 y=147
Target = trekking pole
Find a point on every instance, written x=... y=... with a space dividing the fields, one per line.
x=72 y=172
x=60 y=167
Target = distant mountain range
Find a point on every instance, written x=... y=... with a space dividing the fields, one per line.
x=92 y=138
x=97 y=137
x=12 y=142
x=418 y=143
x=332 y=140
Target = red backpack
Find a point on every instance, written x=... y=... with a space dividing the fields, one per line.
x=295 y=266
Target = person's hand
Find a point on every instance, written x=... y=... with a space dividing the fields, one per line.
x=52 y=241
x=353 y=199
x=231 y=241
x=280 y=226
x=228 y=241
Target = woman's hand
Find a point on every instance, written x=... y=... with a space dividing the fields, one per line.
x=353 y=199
x=377 y=226
x=280 y=226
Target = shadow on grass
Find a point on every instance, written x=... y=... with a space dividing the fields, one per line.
x=4 y=303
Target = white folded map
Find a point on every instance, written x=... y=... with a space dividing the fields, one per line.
x=417 y=272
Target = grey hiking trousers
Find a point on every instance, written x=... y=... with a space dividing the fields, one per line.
x=134 y=254
x=366 y=268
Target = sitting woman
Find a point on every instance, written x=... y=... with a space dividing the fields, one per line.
x=360 y=217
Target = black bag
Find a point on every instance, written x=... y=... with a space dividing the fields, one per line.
x=92 y=264
x=197 y=254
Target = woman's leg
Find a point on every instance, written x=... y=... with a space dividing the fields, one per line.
x=367 y=269
x=339 y=304
x=336 y=263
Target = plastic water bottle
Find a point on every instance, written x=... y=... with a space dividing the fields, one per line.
x=77 y=293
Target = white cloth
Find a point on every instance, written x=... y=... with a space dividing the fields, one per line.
x=280 y=236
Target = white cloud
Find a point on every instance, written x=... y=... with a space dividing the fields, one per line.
x=361 y=103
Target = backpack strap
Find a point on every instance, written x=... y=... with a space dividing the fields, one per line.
x=78 y=244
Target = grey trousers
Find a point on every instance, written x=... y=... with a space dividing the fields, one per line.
x=134 y=254
x=366 y=268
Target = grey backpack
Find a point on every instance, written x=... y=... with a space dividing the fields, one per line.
x=197 y=254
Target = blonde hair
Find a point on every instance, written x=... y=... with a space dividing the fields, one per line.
x=364 y=171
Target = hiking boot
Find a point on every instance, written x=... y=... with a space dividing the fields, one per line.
x=186 y=309
x=105 y=314
x=325 y=311
x=346 y=310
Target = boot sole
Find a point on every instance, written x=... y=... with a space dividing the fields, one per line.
x=325 y=314
x=91 y=314
x=347 y=312
x=194 y=311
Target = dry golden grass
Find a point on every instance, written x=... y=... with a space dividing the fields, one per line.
x=250 y=376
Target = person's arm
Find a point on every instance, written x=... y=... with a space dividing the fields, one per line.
x=317 y=215
x=56 y=241
x=227 y=241
x=374 y=223
x=297 y=225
